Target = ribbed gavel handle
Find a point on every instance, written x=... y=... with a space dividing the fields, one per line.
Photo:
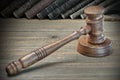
x=38 y=54
x=42 y=52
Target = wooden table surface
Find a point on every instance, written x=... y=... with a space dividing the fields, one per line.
x=20 y=36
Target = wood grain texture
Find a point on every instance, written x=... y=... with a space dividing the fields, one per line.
x=20 y=36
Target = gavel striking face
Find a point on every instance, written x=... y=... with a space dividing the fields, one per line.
x=91 y=43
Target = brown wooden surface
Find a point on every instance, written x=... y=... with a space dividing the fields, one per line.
x=20 y=36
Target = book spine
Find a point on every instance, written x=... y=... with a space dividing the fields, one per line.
x=7 y=12
x=38 y=8
x=20 y=11
x=4 y=3
x=74 y=9
x=83 y=16
x=81 y=11
x=56 y=13
x=108 y=8
x=43 y=14
x=115 y=10
x=106 y=3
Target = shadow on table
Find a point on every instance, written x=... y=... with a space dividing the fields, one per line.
x=41 y=66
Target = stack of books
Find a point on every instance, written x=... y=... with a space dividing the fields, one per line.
x=52 y=9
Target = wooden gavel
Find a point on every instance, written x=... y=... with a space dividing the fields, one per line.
x=93 y=43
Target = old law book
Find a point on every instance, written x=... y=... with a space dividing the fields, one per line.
x=20 y=11
x=115 y=9
x=81 y=11
x=108 y=8
x=107 y=4
x=74 y=9
x=43 y=14
x=104 y=4
x=4 y=3
x=69 y=4
x=7 y=12
x=38 y=8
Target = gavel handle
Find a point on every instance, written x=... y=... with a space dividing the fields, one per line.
x=38 y=54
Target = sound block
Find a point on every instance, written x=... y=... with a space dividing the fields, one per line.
x=94 y=50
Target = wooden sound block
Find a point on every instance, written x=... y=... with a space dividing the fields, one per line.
x=94 y=50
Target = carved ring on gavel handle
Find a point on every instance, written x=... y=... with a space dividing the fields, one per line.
x=93 y=43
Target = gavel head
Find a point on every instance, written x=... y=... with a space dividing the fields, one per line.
x=94 y=44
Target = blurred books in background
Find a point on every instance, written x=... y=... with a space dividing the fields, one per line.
x=55 y=9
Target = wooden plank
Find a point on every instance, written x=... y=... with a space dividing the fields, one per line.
x=20 y=36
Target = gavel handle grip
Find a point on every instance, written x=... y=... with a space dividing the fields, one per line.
x=43 y=52
x=38 y=54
